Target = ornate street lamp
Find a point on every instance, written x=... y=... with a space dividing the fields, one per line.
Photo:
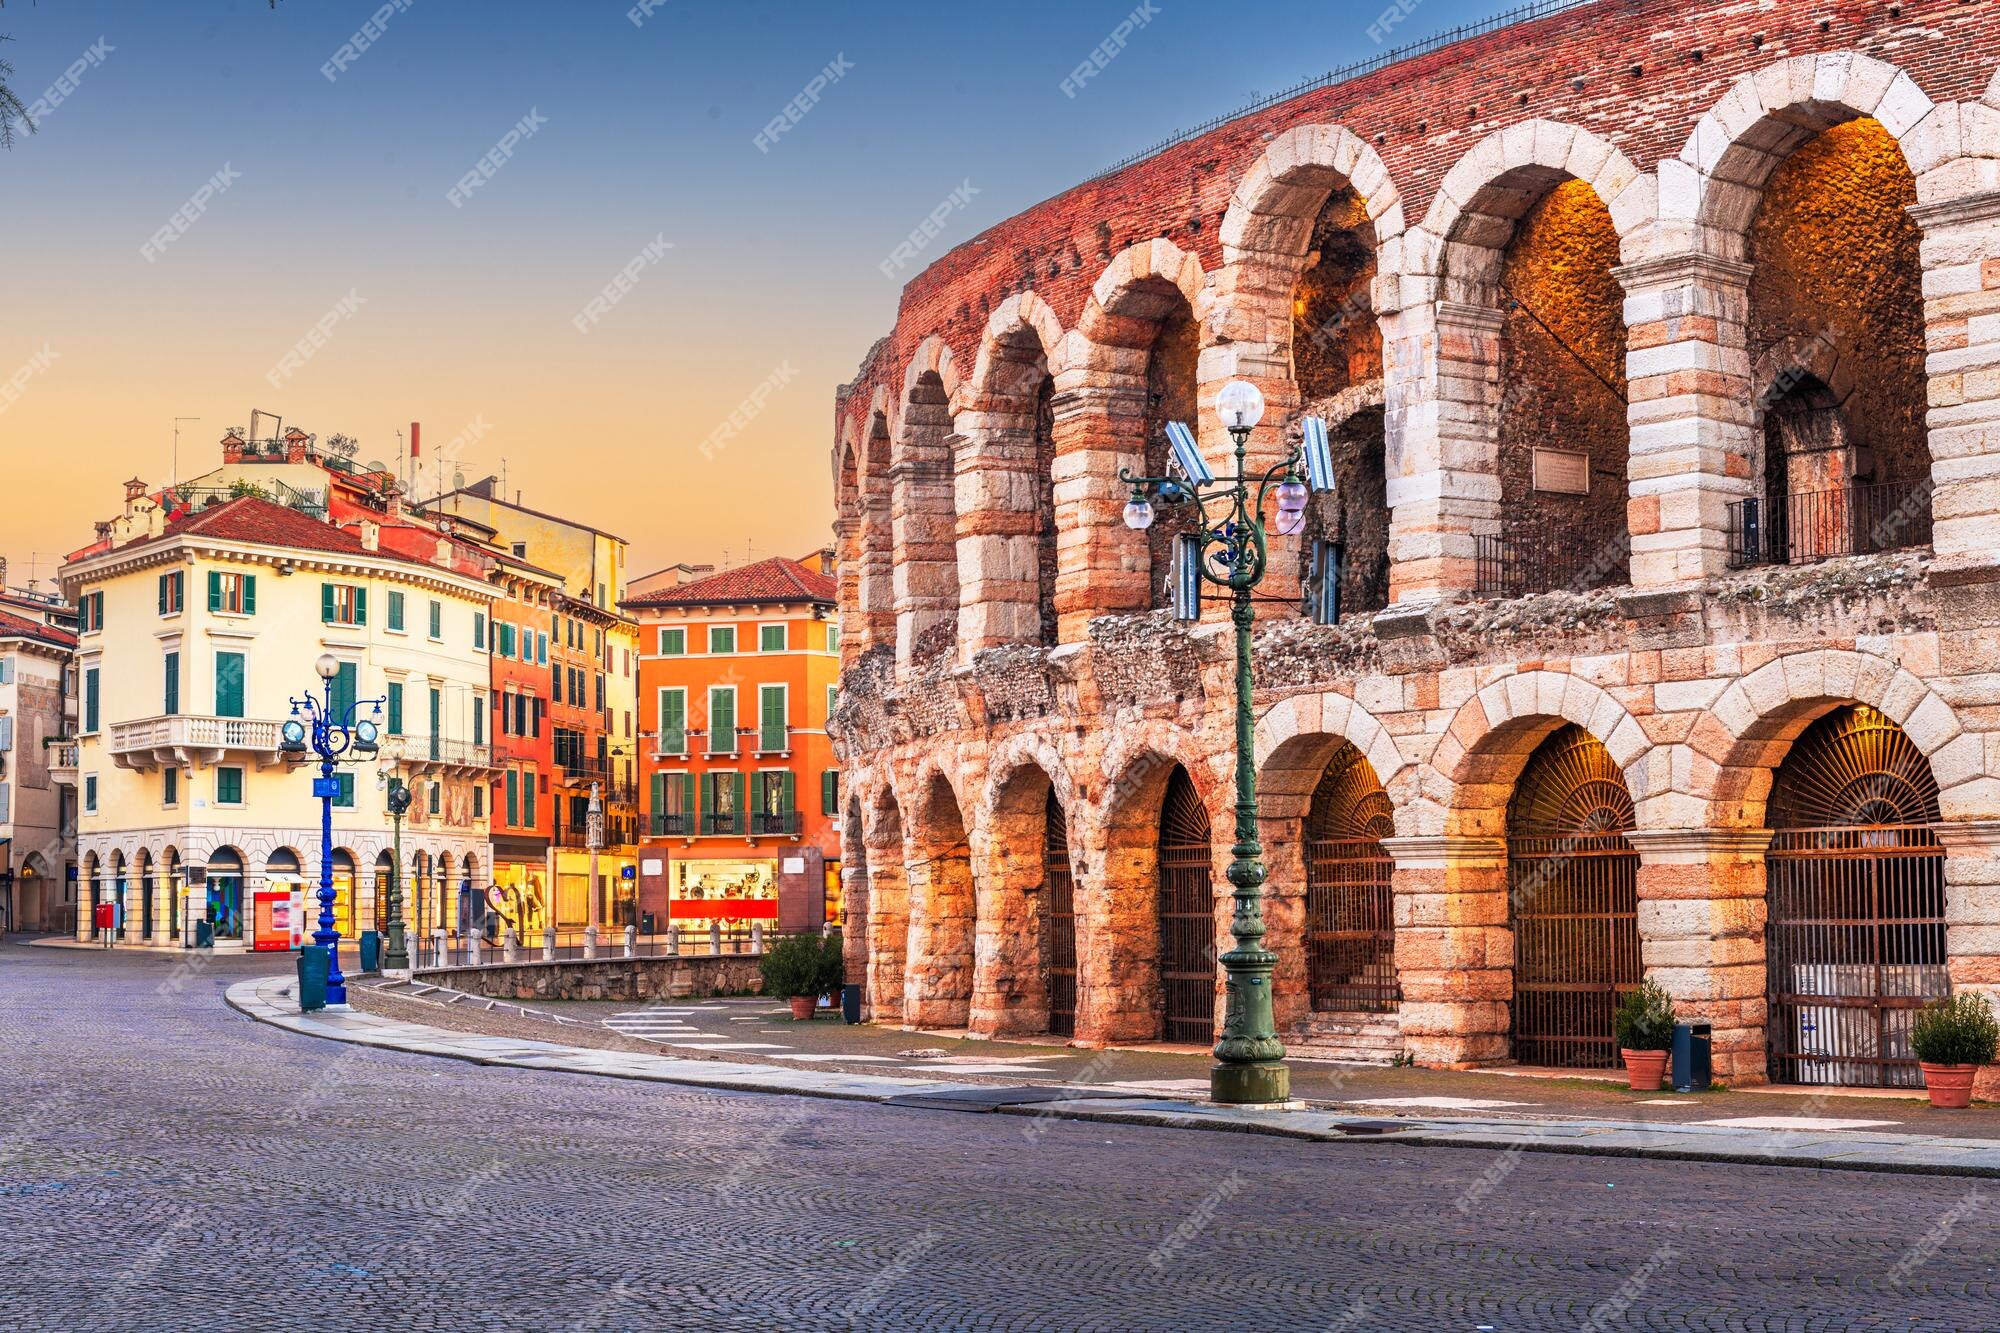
x=314 y=726
x=396 y=957
x=1227 y=548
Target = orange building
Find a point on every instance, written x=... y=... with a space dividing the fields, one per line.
x=739 y=787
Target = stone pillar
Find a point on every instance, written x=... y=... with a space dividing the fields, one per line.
x=1441 y=376
x=1687 y=367
x=1117 y=931
x=875 y=618
x=888 y=929
x=1284 y=920
x=937 y=976
x=854 y=916
x=1454 y=948
x=1009 y=994
x=1972 y=916
x=996 y=487
x=924 y=530
x=1701 y=935
x=1102 y=566
x=1961 y=259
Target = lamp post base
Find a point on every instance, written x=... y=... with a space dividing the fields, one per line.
x=1261 y=1084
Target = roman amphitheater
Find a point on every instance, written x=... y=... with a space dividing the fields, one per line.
x=1659 y=635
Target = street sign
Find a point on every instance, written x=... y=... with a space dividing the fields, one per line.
x=326 y=789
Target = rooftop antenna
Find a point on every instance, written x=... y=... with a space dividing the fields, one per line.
x=176 y=475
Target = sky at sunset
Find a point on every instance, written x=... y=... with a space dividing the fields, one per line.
x=330 y=204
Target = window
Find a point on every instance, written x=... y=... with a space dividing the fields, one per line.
x=832 y=699
x=673 y=642
x=513 y=797
x=90 y=795
x=600 y=691
x=829 y=792
x=556 y=685
x=673 y=804
x=541 y=650
x=479 y=719
x=772 y=732
x=232 y=594
x=171 y=687
x=90 y=700
x=344 y=798
x=437 y=620
x=346 y=689
x=90 y=613
x=173 y=590
x=771 y=803
x=833 y=638
x=503 y=640
x=479 y=800
x=396 y=612
x=229 y=786
x=722 y=638
x=437 y=798
x=722 y=803
x=170 y=786
x=528 y=799
x=722 y=719
x=229 y=684
x=673 y=721
x=770 y=638
x=395 y=708
x=343 y=604
x=7 y=674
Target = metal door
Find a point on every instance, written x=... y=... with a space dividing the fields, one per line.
x=1855 y=940
x=1350 y=925
x=1573 y=898
x=1187 y=916
x=1058 y=923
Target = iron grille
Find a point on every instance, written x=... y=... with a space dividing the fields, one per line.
x=1187 y=916
x=1573 y=891
x=1855 y=943
x=1819 y=525
x=1058 y=923
x=1350 y=902
x=1522 y=564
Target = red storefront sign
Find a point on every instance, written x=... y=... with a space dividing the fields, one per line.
x=727 y=909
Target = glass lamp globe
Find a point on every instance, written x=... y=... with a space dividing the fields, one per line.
x=294 y=734
x=1290 y=521
x=1292 y=495
x=1240 y=405
x=1139 y=515
x=328 y=666
x=366 y=734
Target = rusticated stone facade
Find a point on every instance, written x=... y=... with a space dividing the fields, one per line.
x=1570 y=745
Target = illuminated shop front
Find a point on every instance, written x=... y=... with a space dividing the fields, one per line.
x=735 y=894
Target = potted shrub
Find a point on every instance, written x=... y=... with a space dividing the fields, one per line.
x=1644 y=1028
x=801 y=968
x=1952 y=1039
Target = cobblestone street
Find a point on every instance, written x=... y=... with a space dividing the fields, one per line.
x=171 y=1164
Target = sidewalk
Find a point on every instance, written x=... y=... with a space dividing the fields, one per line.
x=1800 y=1141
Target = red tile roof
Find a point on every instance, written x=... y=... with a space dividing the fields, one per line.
x=773 y=580
x=251 y=518
x=16 y=627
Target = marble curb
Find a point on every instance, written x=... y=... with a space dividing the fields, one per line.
x=267 y=1000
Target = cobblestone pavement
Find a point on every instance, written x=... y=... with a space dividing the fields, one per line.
x=167 y=1163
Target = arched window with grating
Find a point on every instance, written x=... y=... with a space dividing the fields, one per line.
x=1187 y=915
x=1350 y=925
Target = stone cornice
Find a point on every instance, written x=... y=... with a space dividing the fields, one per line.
x=1674 y=269
x=1465 y=315
x=1969 y=208
x=186 y=550
x=1969 y=835
x=1444 y=851
x=1694 y=846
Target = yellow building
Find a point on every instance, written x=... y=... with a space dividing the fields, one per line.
x=195 y=637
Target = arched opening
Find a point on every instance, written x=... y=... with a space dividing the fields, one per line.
x=1563 y=437
x=444 y=895
x=1350 y=926
x=925 y=525
x=121 y=895
x=877 y=589
x=1026 y=978
x=1171 y=385
x=283 y=872
x=142 y=875
x=855 y=940
x=1337 y=364
x=1855 y=935
x=1186 y=915
x=1046 y=561
x=938 y=968
x=385 y=870
x=417 y=899
x=1573 y=901
x=888 y=911
x=93 y=894
x=1058 y=928
x=344 y=917
x=223 y=887
x=1836 y=329
x=173 y=891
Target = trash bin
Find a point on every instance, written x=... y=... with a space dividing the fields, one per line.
x=648 y=924
x=850 y=1003
x=371 y=951
x=204 y=934
x=312 y=978
x=1692 y=1071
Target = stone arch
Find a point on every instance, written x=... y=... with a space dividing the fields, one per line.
x=888 y=902
x=1717 y=181
x=1005 y=484
x=1027 y=786
x=1736 y=748
x=875 y=613
x=1130 y=364
x=937 y=981
x=1297 y=735
x=923 y=508
x=1271 y=210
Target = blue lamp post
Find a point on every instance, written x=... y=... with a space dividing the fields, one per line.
x=314 y=727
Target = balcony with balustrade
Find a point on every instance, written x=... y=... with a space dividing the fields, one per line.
x=438 y=756
x=186 y=740
x=63 y=762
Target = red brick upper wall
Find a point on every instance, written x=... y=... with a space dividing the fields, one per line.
x=1465 y=92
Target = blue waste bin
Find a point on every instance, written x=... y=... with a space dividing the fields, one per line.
x=313 y=966
x=204 y=934
x=371 y=951
x=850 y=1003
x=1693 y=1057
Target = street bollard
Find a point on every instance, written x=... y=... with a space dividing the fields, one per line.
x=590 y=941
x=715 y=938
x=473 y=948
x=549 y=945
x=510 y=946
x=674 y=941
x=631 y=941
x=756 y=937
x=437 y=947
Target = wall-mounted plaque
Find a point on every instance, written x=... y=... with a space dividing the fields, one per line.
x=1562 y=471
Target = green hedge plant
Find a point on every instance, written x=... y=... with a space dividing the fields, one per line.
x=802 y=965
x=1957 y=1031
x=1645 y=1019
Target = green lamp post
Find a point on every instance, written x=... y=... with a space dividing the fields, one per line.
x=396 y=956
x=1228 y=549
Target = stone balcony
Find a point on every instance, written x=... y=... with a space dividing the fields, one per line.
x=185 y=740
x=433 y=756
x=62 y=763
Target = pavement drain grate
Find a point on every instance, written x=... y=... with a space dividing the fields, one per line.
x=985 y=1100
x=1363 y=1128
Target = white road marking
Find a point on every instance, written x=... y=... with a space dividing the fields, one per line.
x=1437 y=1103
x=1793 y=1122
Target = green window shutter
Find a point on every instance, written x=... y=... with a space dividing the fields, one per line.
x=829 y=792
x=686 y=781
x=771 y=639
x=249 y=594
x=513 y=798
x=659 y=806
x=478 y=721
x=528 y=799
x=215 y=590
x=345 y=800
x=173 y=684
x=326 y=603
x=90 y=700
x=437 y=620
x=361 y=606
x=704 y=801
x=346 y=689
x=673 y=722
x=736 y=824
x=479 y=800
x=395 y=620
x=479 y=630
x=787 y=794
x=163 y=594
x=770 y=717
x=229 y=786
x=760 y=785
x=395 y=708
x=229 y=684
x=722 y=721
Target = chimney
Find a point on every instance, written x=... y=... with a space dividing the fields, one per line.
x=295 y=445
x=133 y=490
x=371 y=535
x=232 y=448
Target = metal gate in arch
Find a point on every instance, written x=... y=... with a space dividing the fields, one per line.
x=1350 y=926
x=1058 y=922
x=1187 y=915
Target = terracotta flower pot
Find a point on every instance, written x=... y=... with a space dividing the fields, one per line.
x=802 y=1007
x=1645 y=1071
x=1950 y=1086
